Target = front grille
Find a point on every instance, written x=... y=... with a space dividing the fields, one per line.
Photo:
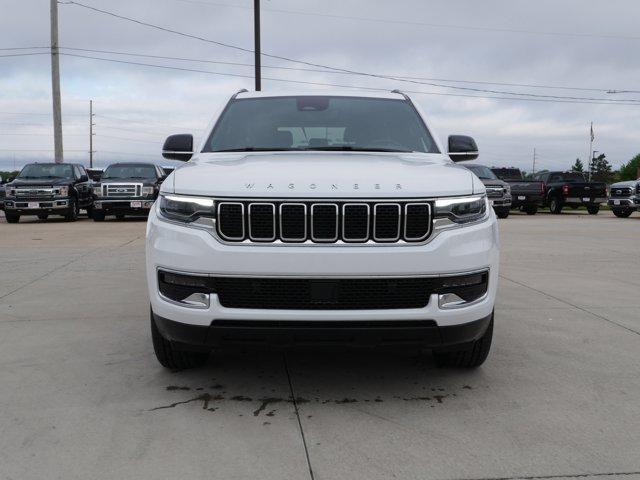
x=324 y=222
x=122 y=190
x=35 y=192
x=621 y=192
x=323 y=294
x=494 y=192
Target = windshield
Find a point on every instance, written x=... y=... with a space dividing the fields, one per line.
x=129 y=171
x=484 y=173
x=320 y=123
x=507 y=173
x=47 y=170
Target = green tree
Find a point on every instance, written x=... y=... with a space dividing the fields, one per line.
x=578 y=166
x=601 y=169
x=629 y=171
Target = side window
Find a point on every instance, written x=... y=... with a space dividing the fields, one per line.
x=82 y=171
x=76 y=172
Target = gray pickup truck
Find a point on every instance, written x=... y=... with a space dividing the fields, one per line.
x=498 y=192
x=624 y=198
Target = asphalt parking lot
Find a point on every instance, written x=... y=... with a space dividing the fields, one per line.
x=82 y=395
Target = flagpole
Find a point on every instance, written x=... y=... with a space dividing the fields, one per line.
x=590 y=150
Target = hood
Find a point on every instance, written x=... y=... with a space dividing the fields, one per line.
x=41 y=182
x=629 y=183
x=321 y=174
x=490 y=182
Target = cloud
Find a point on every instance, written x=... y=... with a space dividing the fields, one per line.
x=141 y=105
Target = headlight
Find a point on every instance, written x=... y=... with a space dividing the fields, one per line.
x=507 y=189
x=186 y=209
x=63 y=191
x=147 y=191
x=462 y=209
x=97 y=191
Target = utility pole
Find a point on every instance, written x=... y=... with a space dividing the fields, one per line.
x=55 y=84
x=591 y=137
x=91 y=125
x=256 y=49
x=533 y=168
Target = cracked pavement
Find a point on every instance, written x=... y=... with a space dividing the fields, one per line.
x=82 y=395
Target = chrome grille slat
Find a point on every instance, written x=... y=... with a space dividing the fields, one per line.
x=324 y=221
x=123 y=190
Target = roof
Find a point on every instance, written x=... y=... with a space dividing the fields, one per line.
x=323 y=93
x=131 y=164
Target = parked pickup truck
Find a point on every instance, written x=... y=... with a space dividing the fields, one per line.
x=526 y=195
x=572 y=190
x=624 y=198
x=498 y=192
x=127 y=189
x=332 y=218
x=45 y=189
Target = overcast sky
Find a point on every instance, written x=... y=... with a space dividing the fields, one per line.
x=583 y=44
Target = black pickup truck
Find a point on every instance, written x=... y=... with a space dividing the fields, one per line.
x=526 y=195
x=127 y=189
x=571 y=189
x=44 y=189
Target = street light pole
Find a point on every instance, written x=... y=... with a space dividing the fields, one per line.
x=593 y=157
x=55 y=84
x=256 y=33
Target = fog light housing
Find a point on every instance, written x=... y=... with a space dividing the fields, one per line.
x=463 y=290
x=192 y=291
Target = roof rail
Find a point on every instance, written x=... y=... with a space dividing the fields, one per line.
x=242 y=90
x=398 y=91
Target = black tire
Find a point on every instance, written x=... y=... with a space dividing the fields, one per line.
x=120 y=216
x=43 y=216
x=72 y=212
x=98 y=216
x=530 y=209
x=172 y=358
x=12 y=217
x=593 y=209
x=89 y=212
x=622 y=212
x=502 y=212
x=555 y=205
x=471 y=356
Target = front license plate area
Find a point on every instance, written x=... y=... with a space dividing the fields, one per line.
x=136 y=204
x=616 y=202
x=585 y=199
x=33 y=205
x=521 y=197
x=323 y=292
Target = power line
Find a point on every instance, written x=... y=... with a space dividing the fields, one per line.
x=586 y=101
x=417 y=23
x=22 y=48
x=23 y=54
x=315 y=70
x=126 y=139
x=365 y=74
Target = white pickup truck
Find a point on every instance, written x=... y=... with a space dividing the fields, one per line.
x=331 y=219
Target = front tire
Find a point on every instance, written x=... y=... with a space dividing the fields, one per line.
x=531 y=209
x=169 y=356
x=555 y=205
x=622 y=212
x=502 y=212
x=98 y=216
x=471 y=356
x=593 y=209
x=119 y=216
x=12 y=217
x=43 y=216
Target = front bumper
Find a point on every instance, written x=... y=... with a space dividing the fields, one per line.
x=501 y=202
x=125 y=206
x=190 y=250
x=420 y=333
x=52 y=206
x=629 y=202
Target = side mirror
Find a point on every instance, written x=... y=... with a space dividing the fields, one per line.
x=178 y=147
x=462 y=147
x=10 y=179
x=84 y=178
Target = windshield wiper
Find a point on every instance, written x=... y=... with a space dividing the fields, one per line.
x=256 y=149
x=348 y=148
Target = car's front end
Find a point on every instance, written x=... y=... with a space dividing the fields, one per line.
x=359 y=267
x=624 y=198
x=42 y=197
x=124 y=197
